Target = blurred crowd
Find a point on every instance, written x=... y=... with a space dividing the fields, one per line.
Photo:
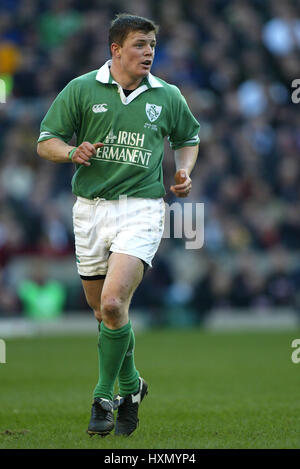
x=234 y=61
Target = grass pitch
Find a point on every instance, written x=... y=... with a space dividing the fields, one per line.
x=206 y=390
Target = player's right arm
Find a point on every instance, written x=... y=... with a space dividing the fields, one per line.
x=60 y=124
x=58 y=151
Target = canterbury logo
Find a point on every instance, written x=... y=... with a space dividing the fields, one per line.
x=99 y=108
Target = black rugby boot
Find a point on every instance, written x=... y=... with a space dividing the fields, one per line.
x=128 y=406
x=102 y=417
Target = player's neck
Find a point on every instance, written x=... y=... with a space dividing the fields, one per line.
x=124 y=80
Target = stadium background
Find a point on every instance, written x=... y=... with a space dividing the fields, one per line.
x=234 y=61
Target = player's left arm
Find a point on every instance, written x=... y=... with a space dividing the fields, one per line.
x=185 y=159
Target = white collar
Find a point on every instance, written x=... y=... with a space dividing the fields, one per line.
x=104 y=76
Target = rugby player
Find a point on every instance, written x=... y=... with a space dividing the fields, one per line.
x=120 y=115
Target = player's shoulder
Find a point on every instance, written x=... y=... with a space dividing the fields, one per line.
x=78 y=87
x=165 y=87
x=85 y=79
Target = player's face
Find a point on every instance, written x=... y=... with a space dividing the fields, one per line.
x=137 y=54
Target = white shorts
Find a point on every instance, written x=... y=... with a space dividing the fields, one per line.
x=130 y=225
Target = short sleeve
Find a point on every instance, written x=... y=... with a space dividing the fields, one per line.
x=62 y=119
x=185 y=128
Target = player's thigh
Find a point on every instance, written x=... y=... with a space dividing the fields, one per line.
x=124 y=274
x=93 y=290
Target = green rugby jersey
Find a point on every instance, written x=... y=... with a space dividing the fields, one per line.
x=132 y=128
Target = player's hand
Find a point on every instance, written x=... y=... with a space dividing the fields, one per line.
x=183 y=184
x=84 y=152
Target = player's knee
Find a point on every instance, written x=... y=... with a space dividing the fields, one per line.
x=112 y=310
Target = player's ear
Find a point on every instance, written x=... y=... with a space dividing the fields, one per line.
x=115 y=50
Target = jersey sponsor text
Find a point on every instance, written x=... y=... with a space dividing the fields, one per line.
x=127 y=149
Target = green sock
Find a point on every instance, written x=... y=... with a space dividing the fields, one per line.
x=128 y=374
x=112 y=347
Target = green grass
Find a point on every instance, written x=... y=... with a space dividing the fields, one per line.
x=206 y=390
